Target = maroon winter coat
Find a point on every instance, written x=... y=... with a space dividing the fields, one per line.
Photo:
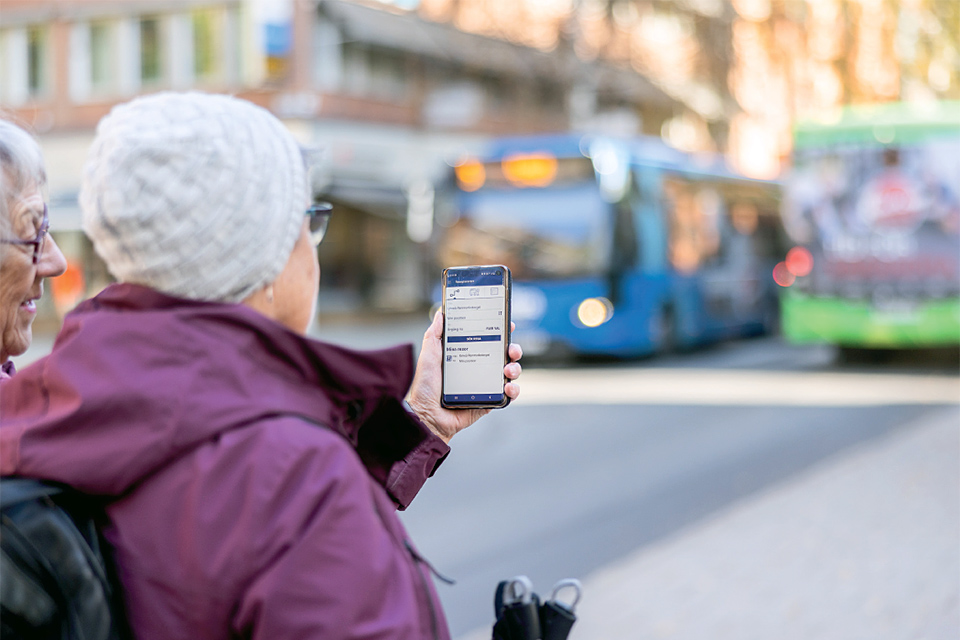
x=255 y=473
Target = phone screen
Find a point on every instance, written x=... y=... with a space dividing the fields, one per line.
x=476 y=315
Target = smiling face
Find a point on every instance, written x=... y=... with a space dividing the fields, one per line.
x=21 y=281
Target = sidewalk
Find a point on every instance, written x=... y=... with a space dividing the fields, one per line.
x=865 y=546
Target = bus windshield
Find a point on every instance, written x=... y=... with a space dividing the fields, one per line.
x=553 y=232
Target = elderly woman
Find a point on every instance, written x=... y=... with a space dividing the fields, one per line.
x=253 y=474
x=27 y=252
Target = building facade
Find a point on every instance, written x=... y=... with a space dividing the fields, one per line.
x=385 y=97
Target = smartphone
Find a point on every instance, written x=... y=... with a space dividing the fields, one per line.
x=476 y=336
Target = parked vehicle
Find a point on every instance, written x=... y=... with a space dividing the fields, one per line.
x=872 y=206
x=618 y=247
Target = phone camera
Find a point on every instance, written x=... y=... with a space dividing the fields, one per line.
x=498 y=271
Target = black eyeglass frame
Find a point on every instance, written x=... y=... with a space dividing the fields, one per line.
x=36 y=242
x=319 y=214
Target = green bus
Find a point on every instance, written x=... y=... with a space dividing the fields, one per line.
x=872 y=208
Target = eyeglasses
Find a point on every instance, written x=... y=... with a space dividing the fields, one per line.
x=38 y=241
x=319 y=214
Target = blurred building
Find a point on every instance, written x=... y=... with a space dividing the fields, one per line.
x=744 y=70
x=802 y=59
x=385 y=95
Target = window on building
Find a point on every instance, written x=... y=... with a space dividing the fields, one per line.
x=37 y=52
x=151 y=57
x=500 y=96
x=103 y=72
x=24 y=64
x=387 y=71
x=5 y=88
x=327 y=56
x=374 y=72
x=355 y=69
x=208 y=44
x=551 y=97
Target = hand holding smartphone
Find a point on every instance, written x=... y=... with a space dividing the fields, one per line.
x=476 y=336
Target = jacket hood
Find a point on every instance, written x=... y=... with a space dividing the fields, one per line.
x=137 y=377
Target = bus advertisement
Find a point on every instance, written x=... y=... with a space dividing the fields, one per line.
x=872 y=207
x=618 y=248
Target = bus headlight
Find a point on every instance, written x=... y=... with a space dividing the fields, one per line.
x=593 y=312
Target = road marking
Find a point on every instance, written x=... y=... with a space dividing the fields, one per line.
x=739 y=387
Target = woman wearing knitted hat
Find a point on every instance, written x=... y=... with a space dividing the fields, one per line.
x=27 y=252
x=254 y=472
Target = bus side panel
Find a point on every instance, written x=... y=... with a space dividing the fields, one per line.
x=855 y=323
x=557 y=327
x=652 y=313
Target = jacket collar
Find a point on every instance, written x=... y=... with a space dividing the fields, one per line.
x=346 y=374
x=137 y=377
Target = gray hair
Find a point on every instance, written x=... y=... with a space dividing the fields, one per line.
x=21 y=166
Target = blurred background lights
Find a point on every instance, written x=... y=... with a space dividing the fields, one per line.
x=799 y=261
x=782 y=275
x=593 y=312
x=470 y=175
x=530 y=170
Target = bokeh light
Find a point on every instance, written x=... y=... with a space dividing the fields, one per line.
x=470 y=175
x=782 y=275
x=593 y=312
x=799 y=261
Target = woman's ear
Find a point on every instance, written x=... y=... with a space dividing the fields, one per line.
x=261 y=300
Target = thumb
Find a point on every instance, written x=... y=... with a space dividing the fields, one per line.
x=435 y=330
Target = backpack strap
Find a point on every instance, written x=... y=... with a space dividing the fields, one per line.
x=68 y=562
x=15 y=490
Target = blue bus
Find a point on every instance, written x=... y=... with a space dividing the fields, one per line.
x=618 y=248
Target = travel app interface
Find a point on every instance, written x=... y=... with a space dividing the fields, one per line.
x=475 y=316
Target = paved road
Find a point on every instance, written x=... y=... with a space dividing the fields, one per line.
x=595 y=462
x=862 y=546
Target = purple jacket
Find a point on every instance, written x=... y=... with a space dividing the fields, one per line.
x=254 y=473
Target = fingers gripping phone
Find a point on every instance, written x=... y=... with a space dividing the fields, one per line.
x=476 y=336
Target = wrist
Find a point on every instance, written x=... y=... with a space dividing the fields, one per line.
x=423 y=415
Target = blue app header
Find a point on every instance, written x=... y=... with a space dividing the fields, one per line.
x=476 y=277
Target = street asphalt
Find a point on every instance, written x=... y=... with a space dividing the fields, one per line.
x=863 y=546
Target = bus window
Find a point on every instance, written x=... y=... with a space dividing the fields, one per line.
x=625 y=247
x=745 y=217
x=651 y=225
x=527 y=230
x=695 y=216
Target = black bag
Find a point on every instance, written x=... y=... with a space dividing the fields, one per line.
x=56 y=581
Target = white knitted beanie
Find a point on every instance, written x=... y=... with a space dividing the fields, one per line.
x=196 y=195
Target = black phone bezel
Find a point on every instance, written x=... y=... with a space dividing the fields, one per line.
x=508 y=292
